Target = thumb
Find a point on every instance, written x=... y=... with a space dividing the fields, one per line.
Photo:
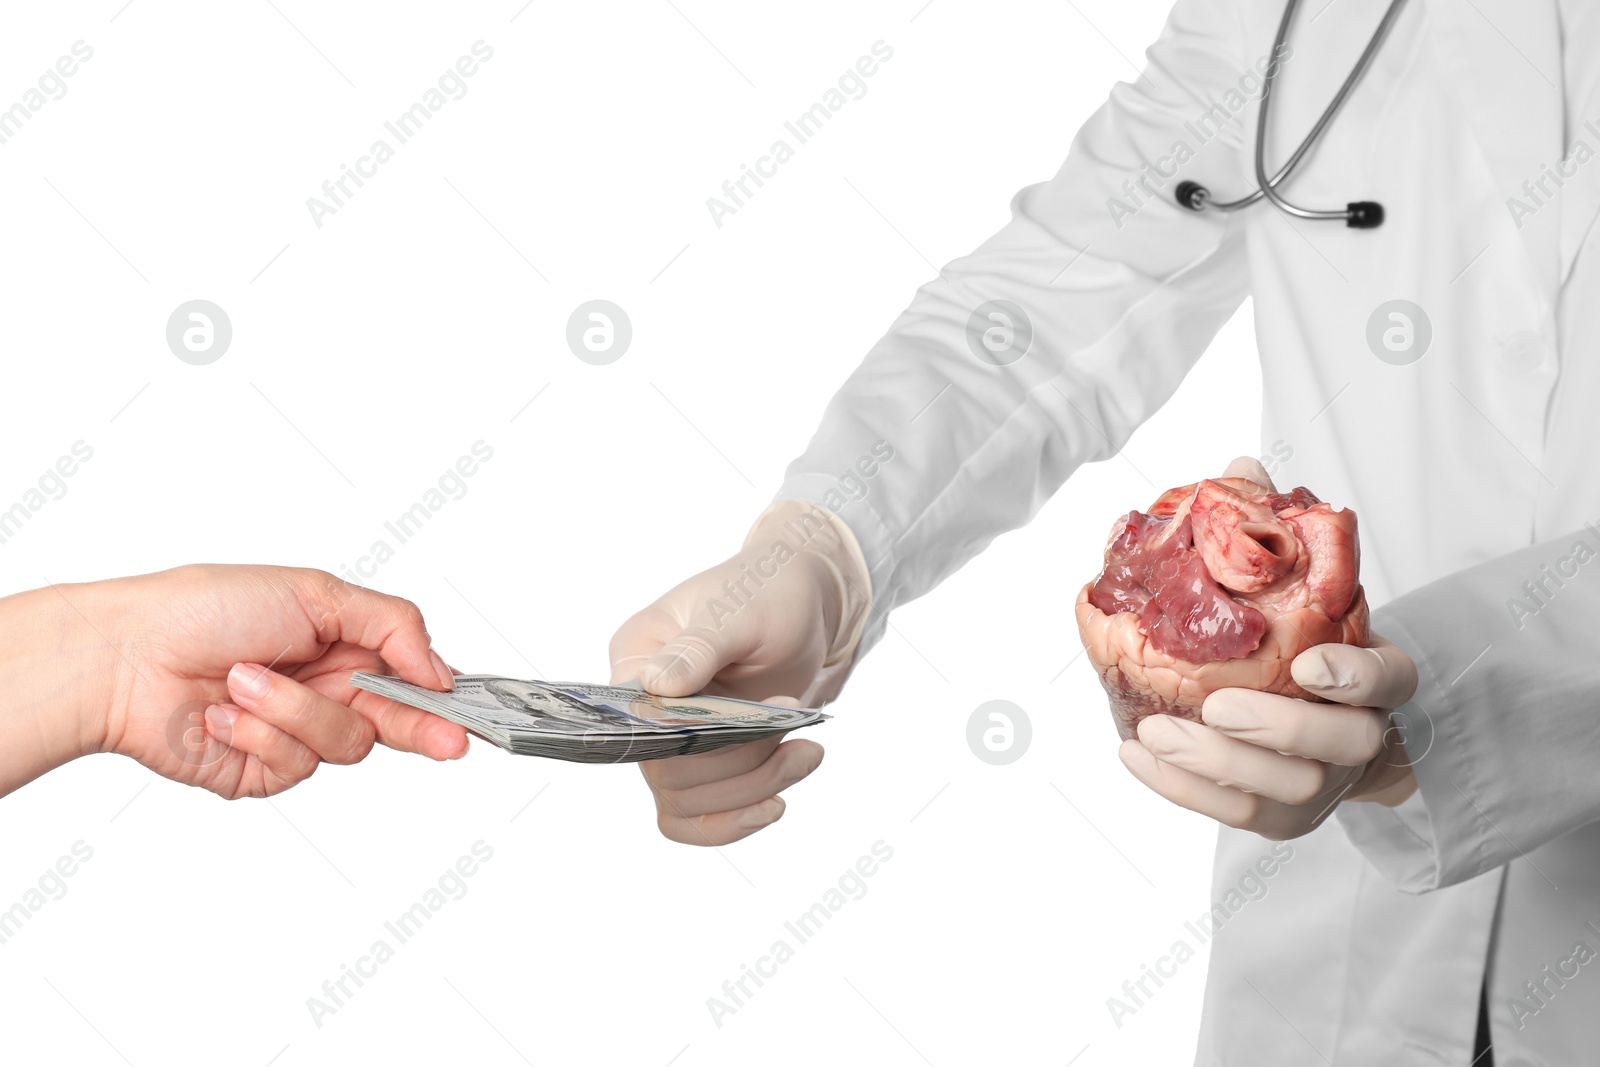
x=1378 y=676
x=1251 y=468
x=687 y=663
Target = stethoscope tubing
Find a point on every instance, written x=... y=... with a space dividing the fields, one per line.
x=1266 y=187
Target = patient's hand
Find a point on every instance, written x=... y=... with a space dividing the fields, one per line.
x=231 y=678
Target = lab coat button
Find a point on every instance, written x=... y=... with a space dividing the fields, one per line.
x=1523 y=350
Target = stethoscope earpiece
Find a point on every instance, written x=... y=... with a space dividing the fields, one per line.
x=1364 y=215
x=1192 y=195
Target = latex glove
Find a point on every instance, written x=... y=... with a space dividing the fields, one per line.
x=779 y=621
x=1276 y=765
x=170 y=669
x=1279 y=766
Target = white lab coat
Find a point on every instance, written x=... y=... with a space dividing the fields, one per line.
x=1471 y=469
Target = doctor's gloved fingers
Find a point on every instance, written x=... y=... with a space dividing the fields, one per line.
x=1380 y=675
x=283 y=757
x=720 y=828
x=687 y=662
x=715 y=798
x=626 y=668
x=667 y=651
x=1250 y=467
x=1217 y=758
x=1331 y=733
x=407 y=729
x=636 y=641
x=330 y=729
x=788 y=764
x=1271 y=819
x=678 y=773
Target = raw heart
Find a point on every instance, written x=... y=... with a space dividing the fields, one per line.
x=1220 y=584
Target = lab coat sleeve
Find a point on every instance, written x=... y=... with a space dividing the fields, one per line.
x=1123 y=291
x=1504 y=730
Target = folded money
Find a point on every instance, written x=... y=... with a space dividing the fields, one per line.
x=592 y=723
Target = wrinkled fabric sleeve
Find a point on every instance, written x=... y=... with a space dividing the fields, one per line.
x=1504 y=731
x=1122 y=289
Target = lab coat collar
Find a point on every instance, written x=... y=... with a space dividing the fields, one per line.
x=1503 y=59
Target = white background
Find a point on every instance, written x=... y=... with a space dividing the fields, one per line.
x=424 y=316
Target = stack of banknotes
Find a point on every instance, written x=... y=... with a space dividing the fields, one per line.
x=592 y=723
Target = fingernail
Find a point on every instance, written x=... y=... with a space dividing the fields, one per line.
x=221 y=718
x=1311 y=670
x=763 y=814
x=447 y=677
x=249 y=678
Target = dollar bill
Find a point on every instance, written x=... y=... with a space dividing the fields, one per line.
x=587 y=723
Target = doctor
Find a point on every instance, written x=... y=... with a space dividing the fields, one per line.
x=1437 y=372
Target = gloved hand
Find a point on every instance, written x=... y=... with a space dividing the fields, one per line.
x=779 y=621
x=1279 y=766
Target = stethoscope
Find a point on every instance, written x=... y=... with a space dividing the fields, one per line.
x=1361 y=214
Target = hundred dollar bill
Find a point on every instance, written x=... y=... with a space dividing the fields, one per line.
x=588 y=723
